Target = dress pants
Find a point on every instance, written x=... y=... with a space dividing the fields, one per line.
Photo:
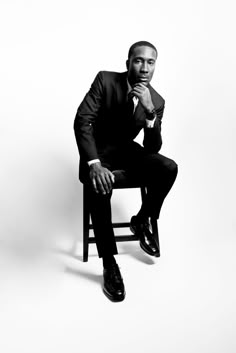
x=154 y=170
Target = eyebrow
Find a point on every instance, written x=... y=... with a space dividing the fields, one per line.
x=144 y=58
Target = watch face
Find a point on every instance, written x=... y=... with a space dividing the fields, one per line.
x=152 y=115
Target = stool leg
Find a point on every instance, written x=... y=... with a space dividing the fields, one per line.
x=85 y=225
x=143 y=192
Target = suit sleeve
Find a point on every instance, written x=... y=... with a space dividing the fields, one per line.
x=85 y=119
x=152 y=141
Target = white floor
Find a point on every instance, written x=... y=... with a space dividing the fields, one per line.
x=182 y=302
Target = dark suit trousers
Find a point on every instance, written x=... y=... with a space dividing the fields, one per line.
x=155 y=171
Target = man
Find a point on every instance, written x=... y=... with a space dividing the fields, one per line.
x=116 y=108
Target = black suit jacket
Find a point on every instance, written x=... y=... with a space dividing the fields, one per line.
x=102 y=122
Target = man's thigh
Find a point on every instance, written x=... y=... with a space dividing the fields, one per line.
x=148 y=167
x=119 y=157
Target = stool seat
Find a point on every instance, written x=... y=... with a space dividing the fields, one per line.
x=122 y=181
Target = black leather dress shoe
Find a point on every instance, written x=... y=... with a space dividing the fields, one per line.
x=147 y=240
x=113 y=286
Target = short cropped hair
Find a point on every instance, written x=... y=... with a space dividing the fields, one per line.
x=140 y=44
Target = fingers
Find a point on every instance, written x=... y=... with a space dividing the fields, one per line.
x=143 y=94
x=140 y=84
x=139 y=87
x=102 y=182
x=94 y=185
x=101 y=185
x=107 y=183
x=138 y=90
x=112 y=176
x=107 y=180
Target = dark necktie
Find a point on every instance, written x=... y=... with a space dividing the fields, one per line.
x=130 y=106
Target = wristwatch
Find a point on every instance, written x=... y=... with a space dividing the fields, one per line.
x=152 y=115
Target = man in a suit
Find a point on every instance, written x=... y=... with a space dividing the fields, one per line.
x=116 y=108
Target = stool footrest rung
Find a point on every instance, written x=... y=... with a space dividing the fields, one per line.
x=116 y=225
x=129 y=237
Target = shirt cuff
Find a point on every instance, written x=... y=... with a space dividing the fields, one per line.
x=93 y=161
x=150 y=123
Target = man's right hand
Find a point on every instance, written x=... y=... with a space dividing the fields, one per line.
x=102 y=178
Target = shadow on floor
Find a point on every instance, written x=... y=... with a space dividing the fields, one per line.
x=133 y=250
x=84 y=274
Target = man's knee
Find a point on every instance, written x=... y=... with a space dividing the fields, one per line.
x=169 y=168
x=168 y=164
x=158 y=165
x=168 y=171
x=172 y=166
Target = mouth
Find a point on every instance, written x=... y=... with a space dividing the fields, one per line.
x=143 y=79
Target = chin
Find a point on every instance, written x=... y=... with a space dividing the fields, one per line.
x=145 y=83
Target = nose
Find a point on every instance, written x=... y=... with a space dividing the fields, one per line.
x=144 y=67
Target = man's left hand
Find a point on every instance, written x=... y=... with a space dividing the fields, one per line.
x=140 y=91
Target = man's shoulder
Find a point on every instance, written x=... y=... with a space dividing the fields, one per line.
x=111 y=75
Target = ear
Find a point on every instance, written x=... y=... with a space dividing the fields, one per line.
x=127 y=64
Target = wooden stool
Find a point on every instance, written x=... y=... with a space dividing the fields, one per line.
x=121 y=183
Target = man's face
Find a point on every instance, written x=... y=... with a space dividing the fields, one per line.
x=141 y=65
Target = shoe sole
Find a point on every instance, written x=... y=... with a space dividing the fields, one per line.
x=146 y=251
x=141 y=245
x=113 y=299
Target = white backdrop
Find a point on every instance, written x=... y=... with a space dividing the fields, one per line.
x=50 y=53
